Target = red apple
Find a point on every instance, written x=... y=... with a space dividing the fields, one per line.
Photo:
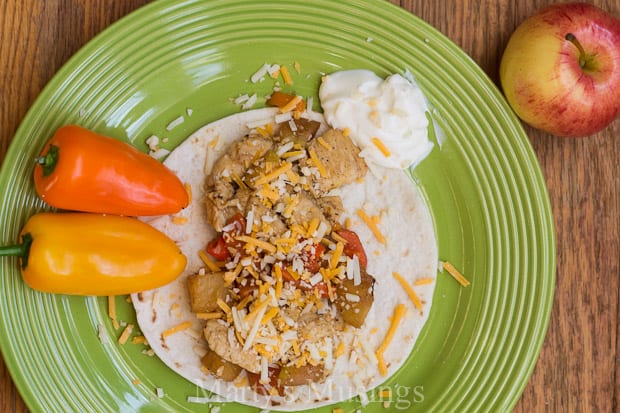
x=560 y=71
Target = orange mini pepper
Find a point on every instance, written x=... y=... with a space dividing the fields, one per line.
x=91 y=254
x=80 y=170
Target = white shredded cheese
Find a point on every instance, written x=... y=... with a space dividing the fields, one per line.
x=259 y=75
x=316 y=278
x=160 y=392
x=250 y=102
x=175 y=123
x=102 y=334
x=283 y=117
x=264 y=370
x=152 y=142
x=159 y=153
x=249 y=221
x=258 y=123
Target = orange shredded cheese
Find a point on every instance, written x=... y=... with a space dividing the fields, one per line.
x=456 y=274
x=112 y=311
x=176 y=329
x=208 y=316
x=333 y=262
x=414 y=297
x=385 y=393
x=188 y=189
x=381 y=363
x=257 y=243
x=423 y=281
x=125 y=334
x=136 y=381
x=297 y=67
x=286 y=76
x=273 y=174
x=291 y=104
x=179 y=220
x=317 y=162
x=324 y=144
x=337 y=410
x=399 y=312
x=372 y=225
x=273 y=311
x=346 y=132
x=208 y=261
x=381 y=146
x=220 y=303
x=138 y=340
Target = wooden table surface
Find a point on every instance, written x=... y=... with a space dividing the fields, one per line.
x=579 y=366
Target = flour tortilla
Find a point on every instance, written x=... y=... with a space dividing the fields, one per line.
x=410 y=250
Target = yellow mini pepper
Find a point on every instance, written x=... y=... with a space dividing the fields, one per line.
x=92 y=254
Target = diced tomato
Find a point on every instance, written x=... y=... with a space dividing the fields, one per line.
x=312 y=257
x=353 y=246
x=260 y=388
x=217 y=249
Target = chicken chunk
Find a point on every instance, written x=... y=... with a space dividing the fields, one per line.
x=306 y=209
x=262 y=213
x=238 y=158
x=216 y=334
x=340 y=158
x=220 y=209
x=332 y=208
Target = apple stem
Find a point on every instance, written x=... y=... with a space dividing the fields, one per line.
x=582 y=53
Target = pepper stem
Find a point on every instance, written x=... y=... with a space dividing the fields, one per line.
x=20 y=250
x=582 y=53
x=49 y=160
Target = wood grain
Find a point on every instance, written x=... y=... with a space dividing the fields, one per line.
x=579 y=363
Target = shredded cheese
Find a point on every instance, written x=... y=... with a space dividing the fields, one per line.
x=188 y=189
x=220 y=303
x=112 y=311
x=177 y=220
x=138 y=340
x=176 y=329
x=372 y=225
x=125 y=334
x=208 y=316
x=257 y=243
x=208 y=261
x=456 y=274
x=273 y=174
x=291 y=104
x=399 y=312
x=424 y=281
x=381 y=146
x=323 y=143
x=317 y=162
x=414 y=297
x=286 y=76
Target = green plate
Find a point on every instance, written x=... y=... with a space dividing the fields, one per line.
x=482 y=183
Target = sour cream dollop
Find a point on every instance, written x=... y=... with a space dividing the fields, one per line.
x=386 y=119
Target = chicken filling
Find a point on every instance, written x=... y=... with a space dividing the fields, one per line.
x=290 y=276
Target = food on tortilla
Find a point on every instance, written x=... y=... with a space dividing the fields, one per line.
x=289 y=279
x=277 y=328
